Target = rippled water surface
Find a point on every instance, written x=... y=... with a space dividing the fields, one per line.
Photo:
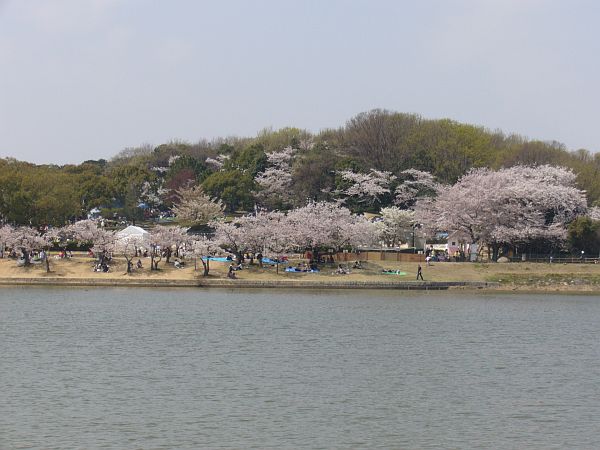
x=191 y=369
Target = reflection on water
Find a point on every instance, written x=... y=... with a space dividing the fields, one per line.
x=189 y=369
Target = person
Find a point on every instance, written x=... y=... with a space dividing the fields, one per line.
x=139 y=264
x=420 y=273
x=341 y=270
x=357 y=265
x=177 y=264
x=231 y=271
x=428 y=260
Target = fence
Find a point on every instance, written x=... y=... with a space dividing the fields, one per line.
x=560 y=259
x=379 y=256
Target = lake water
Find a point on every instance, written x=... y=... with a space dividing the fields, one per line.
x=192 y=369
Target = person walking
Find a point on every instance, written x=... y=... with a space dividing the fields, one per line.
x=420 y=273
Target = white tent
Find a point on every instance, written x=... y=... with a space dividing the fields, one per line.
x=133 y=232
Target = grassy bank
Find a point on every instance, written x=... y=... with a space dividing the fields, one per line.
x=510 y=276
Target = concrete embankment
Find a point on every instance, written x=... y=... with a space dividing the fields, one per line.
x=244 y=284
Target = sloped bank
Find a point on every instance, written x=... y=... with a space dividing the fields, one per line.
x=222 y=283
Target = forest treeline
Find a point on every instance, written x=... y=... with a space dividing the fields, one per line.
x=143 y=179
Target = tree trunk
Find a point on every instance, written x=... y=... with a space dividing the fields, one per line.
x=495 y=249
x=26 y=261
x=206 y=266
x=47 y=262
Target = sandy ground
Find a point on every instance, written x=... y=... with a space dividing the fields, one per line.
x=511 y=276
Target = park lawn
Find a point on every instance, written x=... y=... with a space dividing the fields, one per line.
x=521 y=275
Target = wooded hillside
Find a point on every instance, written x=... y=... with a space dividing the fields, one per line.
x=244 y=172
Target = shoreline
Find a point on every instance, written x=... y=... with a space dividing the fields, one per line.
x=510 y=278
x=249 y=284
x=426 y=286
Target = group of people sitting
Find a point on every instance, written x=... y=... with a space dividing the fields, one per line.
x=232 y=269
x=304 y=267
x=101 y=267
x=341 y=270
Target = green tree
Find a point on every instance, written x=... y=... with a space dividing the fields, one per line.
x=250 y=160
x=233 y=187
x=584 y=235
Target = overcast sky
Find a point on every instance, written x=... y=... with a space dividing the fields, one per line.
x=83 y=79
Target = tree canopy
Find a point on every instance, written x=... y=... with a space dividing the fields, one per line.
x=373 y=161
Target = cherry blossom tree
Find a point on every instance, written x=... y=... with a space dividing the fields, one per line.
x=203 y=248
x=231 y=236
x=26 y=240
x=510 y=206
x=60 y=236
x=153 y=192
x=327 y=225
x=217 y=163
x=129 y=247
x=279 y=233
x=161 y=240
x=175 y=237
x=260 y=228
x=276 y=180
x=194 y=207
x=395 y=225
x=53 y=236
x=368 y=188
x=414 y=185
x=102 y=240
x=267 y=232
x=5 y=233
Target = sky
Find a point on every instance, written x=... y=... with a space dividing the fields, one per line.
x=84 y=79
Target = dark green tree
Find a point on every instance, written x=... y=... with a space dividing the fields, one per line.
x=584 y=235
x=233 y=187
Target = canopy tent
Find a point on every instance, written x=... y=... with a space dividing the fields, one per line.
x=133 y=232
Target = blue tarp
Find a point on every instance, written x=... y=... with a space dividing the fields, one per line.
x=295 y=270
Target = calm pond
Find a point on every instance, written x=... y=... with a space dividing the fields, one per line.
x=191 y=369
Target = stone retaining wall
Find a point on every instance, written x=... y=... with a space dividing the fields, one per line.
x=221 y=283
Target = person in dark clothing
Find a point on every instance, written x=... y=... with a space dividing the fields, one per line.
x=419 y=273
x=230 y=272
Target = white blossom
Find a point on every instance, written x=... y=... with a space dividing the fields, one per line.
x=367 y=187
x=195 y=207
x=515 y=205
x=395 y=225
